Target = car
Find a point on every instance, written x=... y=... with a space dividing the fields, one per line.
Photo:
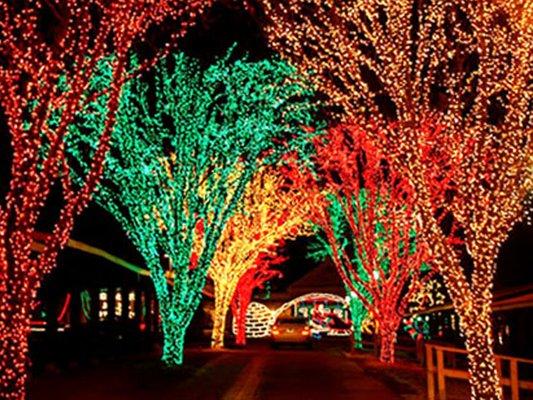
x=291 y=331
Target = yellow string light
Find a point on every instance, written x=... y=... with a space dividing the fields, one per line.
x=271 y=211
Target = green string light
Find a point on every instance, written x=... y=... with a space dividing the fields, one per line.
x=358 y=313
x=186 y=144
x=346 y=243
x=318 y=250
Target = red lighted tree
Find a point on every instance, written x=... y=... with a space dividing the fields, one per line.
x=51 y=53
x=253 y=278
x=368 y=218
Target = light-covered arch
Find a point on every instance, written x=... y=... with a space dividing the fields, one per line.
x=259 y=318
x=309 y=297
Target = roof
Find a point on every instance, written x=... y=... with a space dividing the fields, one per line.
x=322 y=279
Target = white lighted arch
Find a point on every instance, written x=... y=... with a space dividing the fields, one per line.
x=259 y=318
x=309 y=297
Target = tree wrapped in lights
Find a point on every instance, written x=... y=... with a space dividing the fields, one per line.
x=50 y=52
x=186 y=149
x=368 y=219
x=320 y=251
x=253 y=278
x=358 y=314
x=469 y=189
x=433 y=79
x=271 y=210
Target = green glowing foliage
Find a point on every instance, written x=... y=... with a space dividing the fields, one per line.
x=186 y=144
x=358 y=314
x=320 y=250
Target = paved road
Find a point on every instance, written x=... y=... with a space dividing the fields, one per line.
x=260 y=374
x=301 y=375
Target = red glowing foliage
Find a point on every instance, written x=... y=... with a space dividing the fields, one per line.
x=254 y=278
x=200 y=229
x=194 y=261
x=368 y=216
x=47 y=65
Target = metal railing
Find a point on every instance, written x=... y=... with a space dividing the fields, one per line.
x=441 y=371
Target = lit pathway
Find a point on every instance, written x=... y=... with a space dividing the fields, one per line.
x=256 y=374
x=305 y=375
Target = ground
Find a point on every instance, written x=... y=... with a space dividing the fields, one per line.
x=258 y=372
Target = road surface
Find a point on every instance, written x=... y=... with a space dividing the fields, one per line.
x=260 y=374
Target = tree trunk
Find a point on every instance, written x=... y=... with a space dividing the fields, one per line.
x=238 y=309
x=217 y=335
x=222 y=304
x=357 y=337
x=474 y=310
x=388 y=339
x=241 y=325
x=357 y=314
x=484 y=379
x=173 y=342
x=14 y=331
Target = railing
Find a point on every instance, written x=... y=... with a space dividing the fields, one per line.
x=442 y=371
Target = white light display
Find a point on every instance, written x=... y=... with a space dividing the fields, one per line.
x=259 y=318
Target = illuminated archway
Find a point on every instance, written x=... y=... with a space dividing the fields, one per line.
x=259 y=318
x=310 y=297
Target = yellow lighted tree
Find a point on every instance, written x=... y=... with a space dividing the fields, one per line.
x=442 y=86
x=272 y=210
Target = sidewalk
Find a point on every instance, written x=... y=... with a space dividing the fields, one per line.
x=406 y=378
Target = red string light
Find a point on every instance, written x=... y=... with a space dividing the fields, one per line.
x=254 y=278
x=44 y=78
x=368 y=216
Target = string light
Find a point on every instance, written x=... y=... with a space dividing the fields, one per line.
x=257 y=323
x=367 y=216
x=178 y=170
x=46 y=67
x=528 y=200
x=327 y=313
x=318 y=252
x=464 y=65
x=358 y=314
x=270 y=212
x=259 y=319
x=431 y=295
x=253 y=278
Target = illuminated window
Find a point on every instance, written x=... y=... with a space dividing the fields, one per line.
x=131 y=305
x=143 y=307
x=103 y=308
x=118 y=303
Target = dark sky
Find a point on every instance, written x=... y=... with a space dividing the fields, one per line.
x=218 y=30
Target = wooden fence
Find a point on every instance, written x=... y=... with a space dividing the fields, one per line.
x=508 y=368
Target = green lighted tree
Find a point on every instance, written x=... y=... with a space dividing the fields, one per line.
x=358 y=313
x=187 y=143
x=319 y=251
